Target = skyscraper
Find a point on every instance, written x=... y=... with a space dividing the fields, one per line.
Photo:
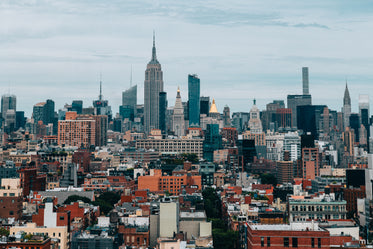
x=346 y=108
x=8 y=102
x=129 y=97
x=305 y=81
x=162 y=111
x=298 y=100
x=153 y=85
x=8 y=111
x=178 y=122
x=364 y=109
x=101 y=106
x=194 y=100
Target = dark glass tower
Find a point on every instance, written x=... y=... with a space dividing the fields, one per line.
x=194 y=100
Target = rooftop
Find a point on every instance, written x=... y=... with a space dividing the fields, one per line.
x=311 y=226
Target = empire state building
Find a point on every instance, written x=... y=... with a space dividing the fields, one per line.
x=153 y=85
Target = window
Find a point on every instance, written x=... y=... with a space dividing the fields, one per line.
x=319 y=242
x=62 y=217
x=295 y=242
x=286 y=242
x=11 y=194
x=262 y=241
x=11 y=213
x=268 y=241
x=312 y=242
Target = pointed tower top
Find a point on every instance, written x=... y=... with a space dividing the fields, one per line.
x=154 y=52
x=178 y=92
x=346 y=97
x=213 y=108
x=254 y=101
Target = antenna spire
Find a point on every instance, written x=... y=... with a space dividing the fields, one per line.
x=154 y=53
x=100 y=96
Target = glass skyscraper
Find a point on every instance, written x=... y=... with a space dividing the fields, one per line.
x=194 y=100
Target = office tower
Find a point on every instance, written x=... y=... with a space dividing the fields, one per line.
x=153 y=85
x=354 y=121
x=194 y=100
x=283 y=117
x=129 y=102
x=305 y=81
x=364 y=110
x=269 y=115
x=240 y=120
x=101 y=106
x=8 y=111
x=349 y=140
x=178 y=117
x=346 y=108
x=8 y=102
x=162 y=111
x=292 y=144
x=213 y=141
x=310 y=163
x=226 y=116
x=204 y=105
x=308 y=118
x=20 y=119
x=77 y=106
x=297 y=100
x=44 y=111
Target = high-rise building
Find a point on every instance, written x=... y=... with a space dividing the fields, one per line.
x=298 y=100
x=8 y=102
x=354 y=123
x=162 y=111
x=178 y=122
x=194 y=100
x=204 y=105
x=305 y=81
x=364 y=110
x=8 y=111
x=308 y=118
x=77 y=106
x=129 y=102
x=153 y=85
x=101 y=106
x=346 y=108
x=227 y=116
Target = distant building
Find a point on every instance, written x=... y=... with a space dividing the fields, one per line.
x=178 y=122
x=194 y=100
x=153 y=85
x=346 y=108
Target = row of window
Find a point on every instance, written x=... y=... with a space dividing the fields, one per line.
x=318 y=208
x=294 y=242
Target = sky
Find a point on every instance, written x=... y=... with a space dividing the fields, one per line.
x=240 y=49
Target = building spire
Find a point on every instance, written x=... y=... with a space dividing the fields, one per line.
x=100 y=96
x=154 y=52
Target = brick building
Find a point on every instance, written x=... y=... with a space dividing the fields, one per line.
x=173 y=184
x=296 y=235
x=11 y=198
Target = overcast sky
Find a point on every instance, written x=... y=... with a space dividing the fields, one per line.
x=240 y=49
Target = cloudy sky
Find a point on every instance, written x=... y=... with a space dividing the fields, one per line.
x=240 y=49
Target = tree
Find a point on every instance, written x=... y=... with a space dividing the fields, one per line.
x=75 y=198
x=268 y=179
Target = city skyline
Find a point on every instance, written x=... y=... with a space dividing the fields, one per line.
x=260 y=52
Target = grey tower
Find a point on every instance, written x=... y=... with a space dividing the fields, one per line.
x=346 y=108
x=153 y=85
x=305 y=80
